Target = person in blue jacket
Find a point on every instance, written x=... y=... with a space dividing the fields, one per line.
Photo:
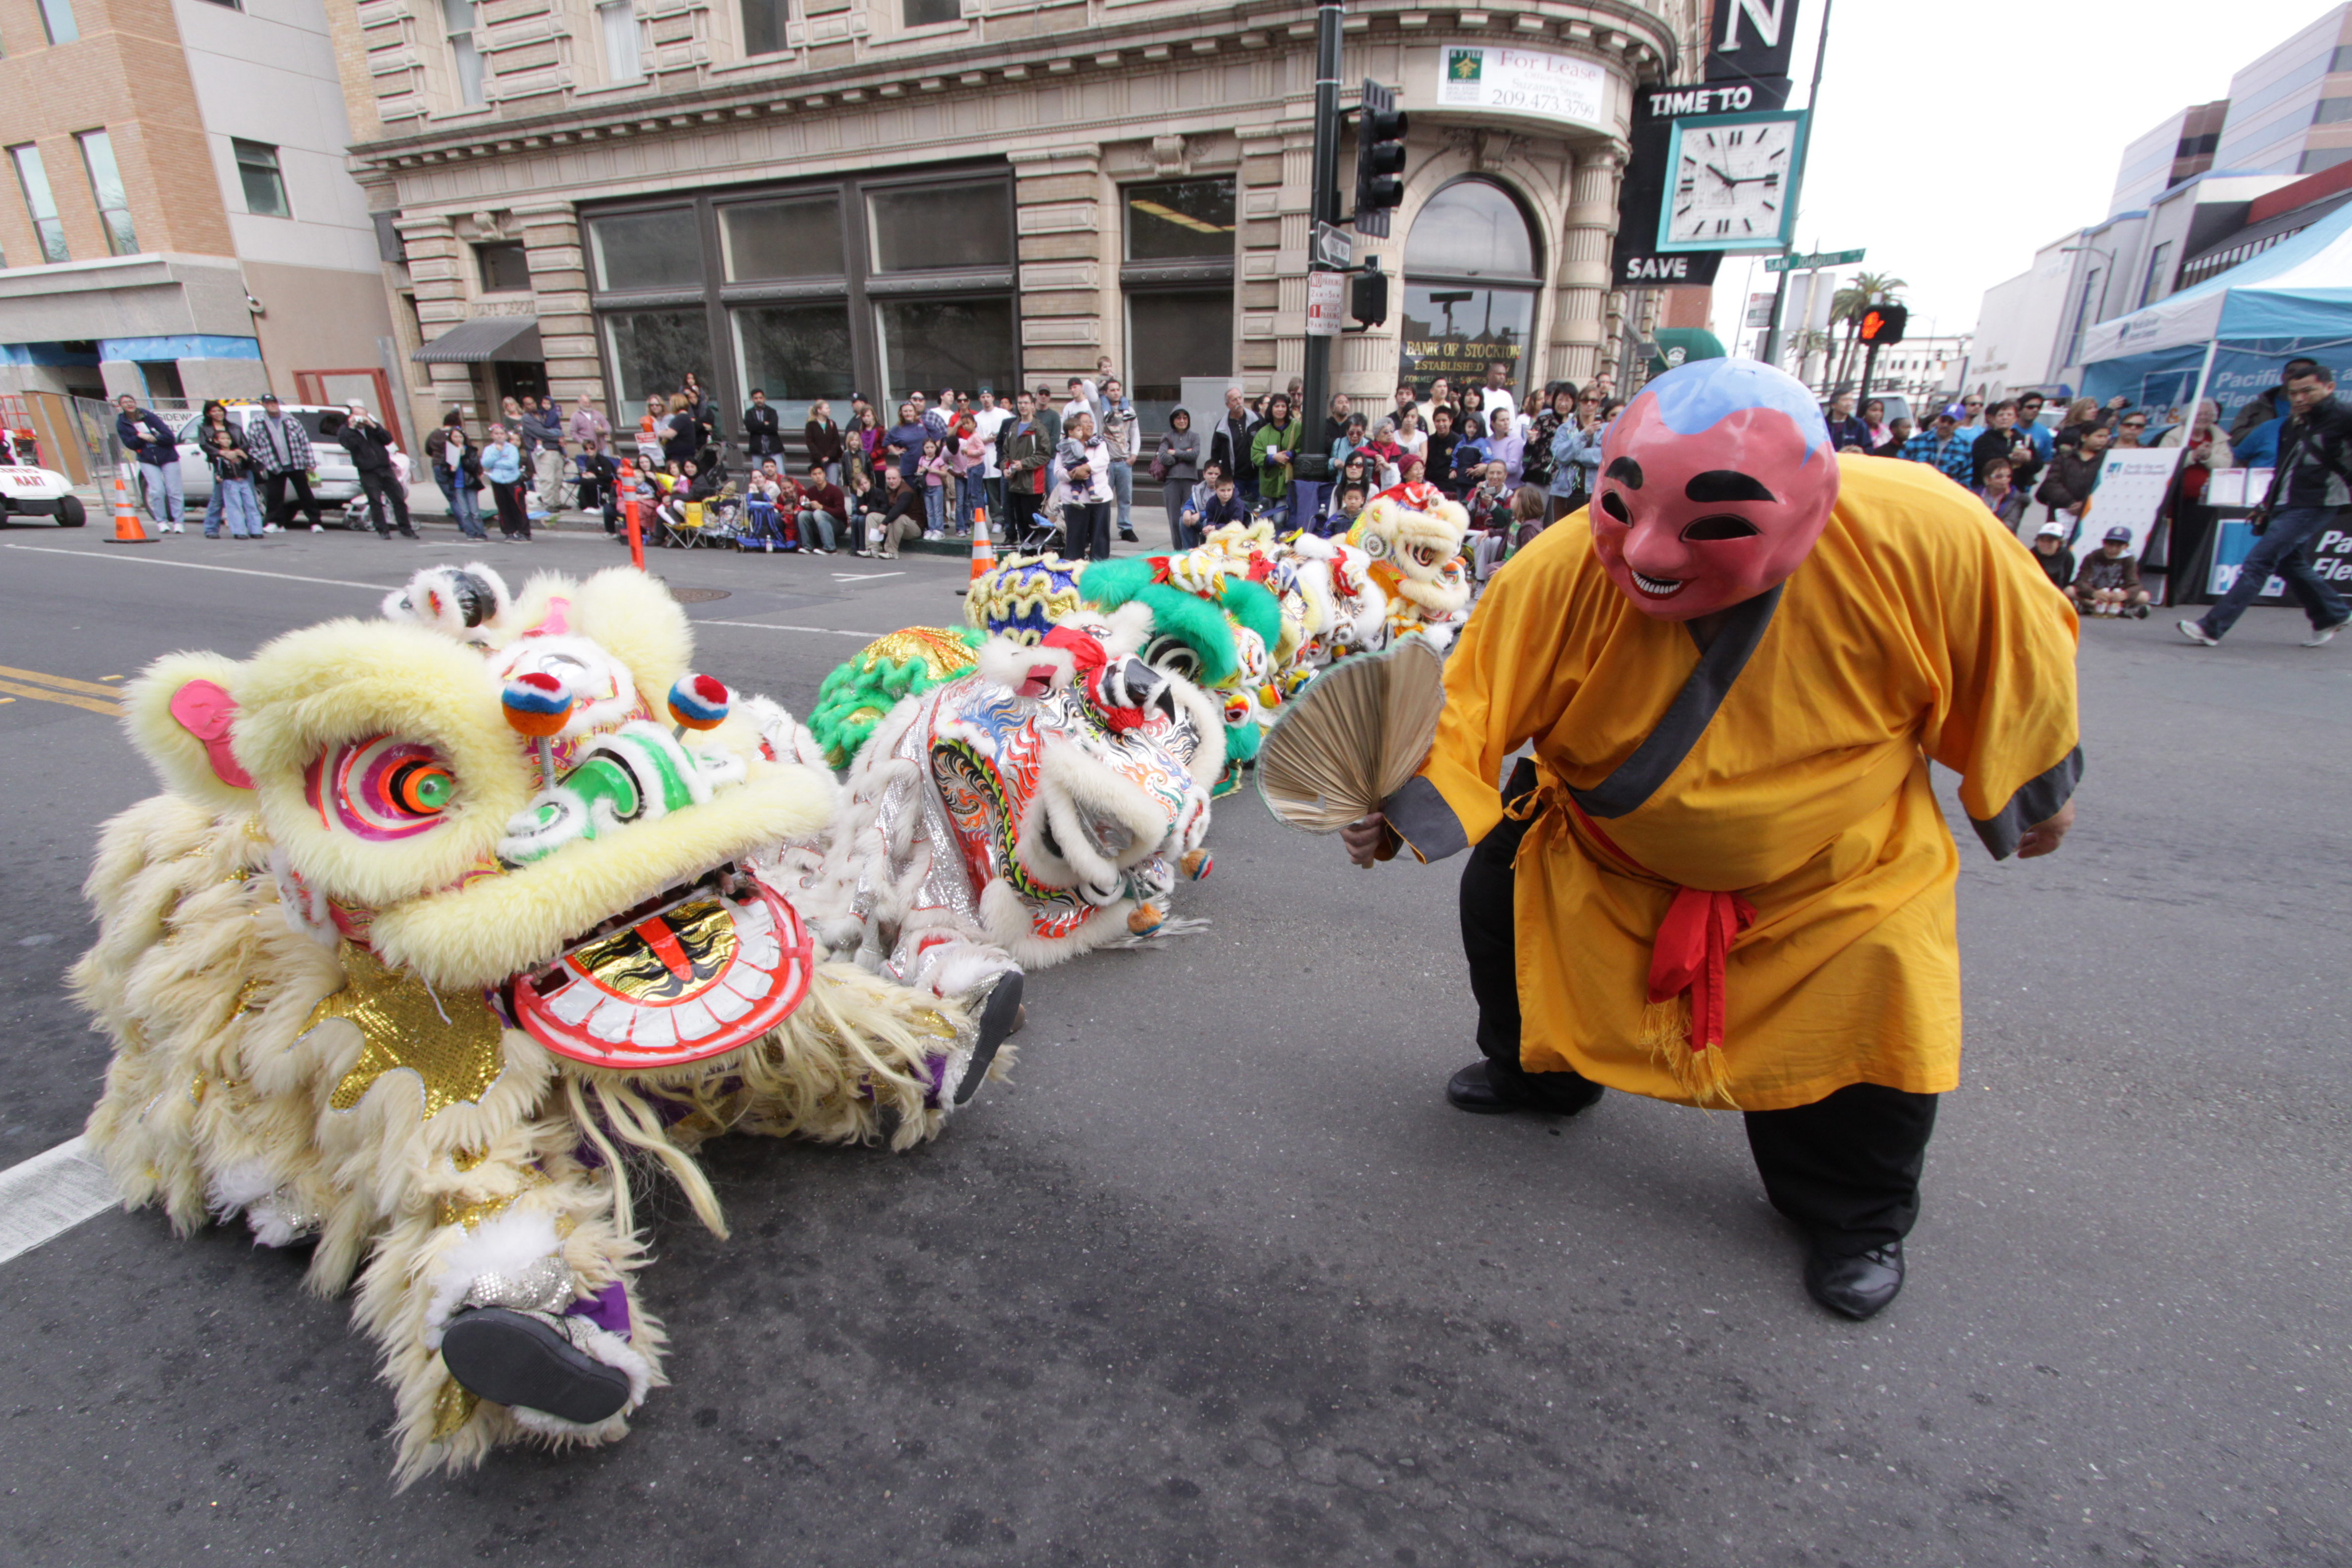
x=149 y=443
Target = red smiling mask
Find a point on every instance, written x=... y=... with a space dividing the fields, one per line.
x=1715 y=485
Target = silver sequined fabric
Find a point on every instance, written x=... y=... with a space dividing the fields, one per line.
x=545 y=1287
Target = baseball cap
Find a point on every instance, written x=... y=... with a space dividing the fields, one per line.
x=268 y=397
x=2054 y=531
x=2119 y=534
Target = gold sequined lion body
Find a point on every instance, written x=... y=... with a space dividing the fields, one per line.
x=436 y=934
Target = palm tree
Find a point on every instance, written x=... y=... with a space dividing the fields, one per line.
x=1867 y=288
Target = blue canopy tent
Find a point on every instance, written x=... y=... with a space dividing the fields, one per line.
x=2233 y=329
x=2225 y=339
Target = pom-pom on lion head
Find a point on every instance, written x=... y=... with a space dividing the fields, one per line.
x=481 y=789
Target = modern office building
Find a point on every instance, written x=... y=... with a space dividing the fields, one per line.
x=2175 y=150
x=2291 y=110
x=176 y=220
x=873 y=195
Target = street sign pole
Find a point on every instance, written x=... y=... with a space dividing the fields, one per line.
x=1312 y=462
x=1772 y=354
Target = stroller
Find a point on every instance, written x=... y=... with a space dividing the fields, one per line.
x=1046 y=532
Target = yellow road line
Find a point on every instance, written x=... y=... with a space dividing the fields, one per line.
x=110 y=709
x=63 y=683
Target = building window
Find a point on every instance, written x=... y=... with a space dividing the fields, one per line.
x=941 y=225
x=796 y=238
x=794 y=353
x=2322 y=158
x=458 y=17
x=1471 y=279
x=2158 y=283
x=506 y=268
x=647 y=250
x=928 y=12
x=1170 y=335
x=106 y=187
x=964 y=344
x=2330 y=110
x=264 y=186
x=652 y=351
x=58 y=21
x=764 y=26
x=39 y=202
x=618 y=22
x=1179 y=218
x=785 y=295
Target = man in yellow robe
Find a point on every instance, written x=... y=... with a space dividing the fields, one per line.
x=1722 y=876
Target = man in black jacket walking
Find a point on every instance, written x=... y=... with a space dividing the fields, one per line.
x=2310 y=486
x=370 y=445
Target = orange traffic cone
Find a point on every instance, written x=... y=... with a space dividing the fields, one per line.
x=126 y=521
x=984 y=553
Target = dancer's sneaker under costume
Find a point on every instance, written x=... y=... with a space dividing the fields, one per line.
x=1723 y=879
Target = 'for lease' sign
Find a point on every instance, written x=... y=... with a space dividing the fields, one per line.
x=1523 y=81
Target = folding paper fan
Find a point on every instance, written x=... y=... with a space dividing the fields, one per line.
x=1352 y=737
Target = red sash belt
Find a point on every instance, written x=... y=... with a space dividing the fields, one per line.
x=1692 y=943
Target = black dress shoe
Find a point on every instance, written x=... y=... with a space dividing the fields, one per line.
x=1477 y=1091
x=520 y=1358
x=1856 y=1285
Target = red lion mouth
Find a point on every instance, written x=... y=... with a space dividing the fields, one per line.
x=693 y=973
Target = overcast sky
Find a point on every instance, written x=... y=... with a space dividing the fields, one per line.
x=1952 y=142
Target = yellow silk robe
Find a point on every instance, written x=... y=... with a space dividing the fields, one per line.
x=1918 y=629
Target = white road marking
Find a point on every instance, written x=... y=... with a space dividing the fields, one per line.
x=765 y=626
x=865 y=577
x=200 y=566
x=50 y=1193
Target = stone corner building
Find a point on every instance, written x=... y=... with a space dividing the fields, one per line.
x=820 y=196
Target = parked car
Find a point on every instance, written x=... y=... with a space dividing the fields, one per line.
x=28 y=491
x=335 y=482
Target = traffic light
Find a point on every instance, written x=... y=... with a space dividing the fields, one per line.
x=1379 y=159
x=1368 y=294
x=1881 y=325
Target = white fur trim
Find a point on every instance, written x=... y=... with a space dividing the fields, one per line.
x=506 y=1244
x=239 y=1187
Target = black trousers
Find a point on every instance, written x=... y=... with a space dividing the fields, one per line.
x=1087 y=527
x=278 y=507
x=386 y=503
x=1845 y=1168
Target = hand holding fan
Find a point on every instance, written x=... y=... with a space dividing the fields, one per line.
x=1352 y=737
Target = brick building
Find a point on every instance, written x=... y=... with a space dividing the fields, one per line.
x=875 y=194
x=180 y=223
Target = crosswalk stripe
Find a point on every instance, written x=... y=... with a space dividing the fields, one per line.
x=50 y=1193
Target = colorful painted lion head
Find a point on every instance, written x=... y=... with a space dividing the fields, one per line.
x=595 y=884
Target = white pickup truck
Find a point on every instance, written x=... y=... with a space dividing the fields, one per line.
x=334 y=481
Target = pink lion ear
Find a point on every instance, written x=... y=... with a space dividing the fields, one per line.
x=204 y=709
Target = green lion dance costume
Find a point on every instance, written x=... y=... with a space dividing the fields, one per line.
x=437 y=930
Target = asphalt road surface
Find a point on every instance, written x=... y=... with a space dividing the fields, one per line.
x=1220 y=1279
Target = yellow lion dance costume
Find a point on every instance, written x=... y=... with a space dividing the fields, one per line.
x=384 y=971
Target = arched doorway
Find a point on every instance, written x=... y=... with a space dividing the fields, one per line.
x=1471 y=271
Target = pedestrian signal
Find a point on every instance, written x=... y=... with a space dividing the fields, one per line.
x=1369 y=295
x=1883 y=324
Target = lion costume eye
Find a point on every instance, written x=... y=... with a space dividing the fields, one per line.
x=381 y=788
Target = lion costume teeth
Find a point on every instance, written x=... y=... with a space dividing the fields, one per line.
x=384 y=971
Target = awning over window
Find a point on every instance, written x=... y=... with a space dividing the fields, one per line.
x=483 y=340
